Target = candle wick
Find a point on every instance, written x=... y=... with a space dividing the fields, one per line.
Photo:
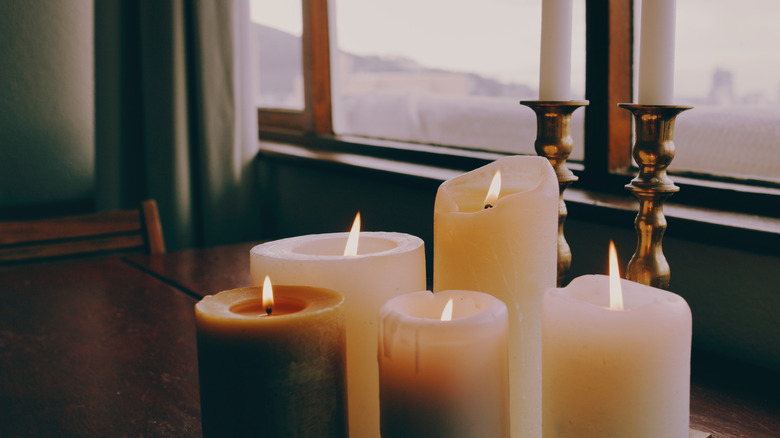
x=488 y=206
x=268 y=310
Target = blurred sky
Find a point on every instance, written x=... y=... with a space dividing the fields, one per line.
x=501 y=38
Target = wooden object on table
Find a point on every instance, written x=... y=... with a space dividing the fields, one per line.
x=96 y=233
x=96 y=348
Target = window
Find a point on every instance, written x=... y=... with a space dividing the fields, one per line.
x=372 y=68
x=278 y=29
x=452 y=79
x=731 y=75
x=297 y=74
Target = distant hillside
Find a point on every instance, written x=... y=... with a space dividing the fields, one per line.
x=285 y=50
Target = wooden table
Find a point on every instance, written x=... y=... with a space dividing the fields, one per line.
x=95 y=349
x=107 y=348
x=200 y=272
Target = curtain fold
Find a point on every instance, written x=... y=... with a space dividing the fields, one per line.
x=175 y=120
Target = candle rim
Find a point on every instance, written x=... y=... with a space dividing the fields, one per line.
x=397 y=327
x=218 y=306
x=285 y=248
x=631 y=290
x=542 y=176
x=280 y=302
x=495 y=308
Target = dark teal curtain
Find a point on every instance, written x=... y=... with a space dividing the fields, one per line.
x=175 y=118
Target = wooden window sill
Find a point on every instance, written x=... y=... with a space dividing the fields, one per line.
x=428 y=166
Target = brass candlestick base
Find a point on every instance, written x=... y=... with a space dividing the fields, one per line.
x=554 y=142
x=653 y=152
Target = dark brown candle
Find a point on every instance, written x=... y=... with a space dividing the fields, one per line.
x=281 y=374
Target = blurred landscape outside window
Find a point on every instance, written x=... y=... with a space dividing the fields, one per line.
x=453 y=73
x=727 y=66
x=278 y=29
x=446 y=73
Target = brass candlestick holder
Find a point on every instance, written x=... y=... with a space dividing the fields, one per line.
x=653 y=152
x=554 y=142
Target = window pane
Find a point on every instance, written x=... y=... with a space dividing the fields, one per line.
x=279 y=26
x=445 y=72
x=727 y=65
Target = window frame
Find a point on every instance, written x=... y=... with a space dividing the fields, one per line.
x=606 y=167
x=316 y=117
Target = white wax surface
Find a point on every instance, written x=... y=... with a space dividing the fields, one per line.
x=656 y=52
x=387 y=265
x=443 y=378
x=555 y=60
x=509 y=251
x=611 y=372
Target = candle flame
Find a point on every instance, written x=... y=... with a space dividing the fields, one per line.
x=268 y=296
x=615 y=291
x=446 y=315
x=494 y=190
x=352 y=241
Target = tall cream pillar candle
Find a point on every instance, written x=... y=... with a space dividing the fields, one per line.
x=443 y=378
x=555 y=59
x=611 y=372
x=656 y=52
x=387 y=265
x=508 y=251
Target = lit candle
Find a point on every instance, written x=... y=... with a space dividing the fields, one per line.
x=615 y=366
x=508 y=250
x=385 y=265
x=443 y=366
x=656 y=52
x=272 y=368
x=555 y=65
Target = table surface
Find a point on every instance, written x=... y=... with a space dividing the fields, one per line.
x=96 y=348
x=107 y=348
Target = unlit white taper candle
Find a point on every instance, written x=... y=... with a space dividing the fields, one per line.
x=555 y=62
x=656 y=52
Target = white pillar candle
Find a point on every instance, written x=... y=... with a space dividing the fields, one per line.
x=443 y=378
x=555 y=62
x=656 y=52
x=509 y=251
x=387 y=265
x=615 y=372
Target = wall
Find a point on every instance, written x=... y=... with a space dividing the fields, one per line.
x=46 y=101
x=734 y=295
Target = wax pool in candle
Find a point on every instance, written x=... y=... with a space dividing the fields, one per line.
x=387 y=265
x=282 y=374
x=615 y=372
x=555 y=63
x=656 y=52
x=443 y=378
x=508 y=251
